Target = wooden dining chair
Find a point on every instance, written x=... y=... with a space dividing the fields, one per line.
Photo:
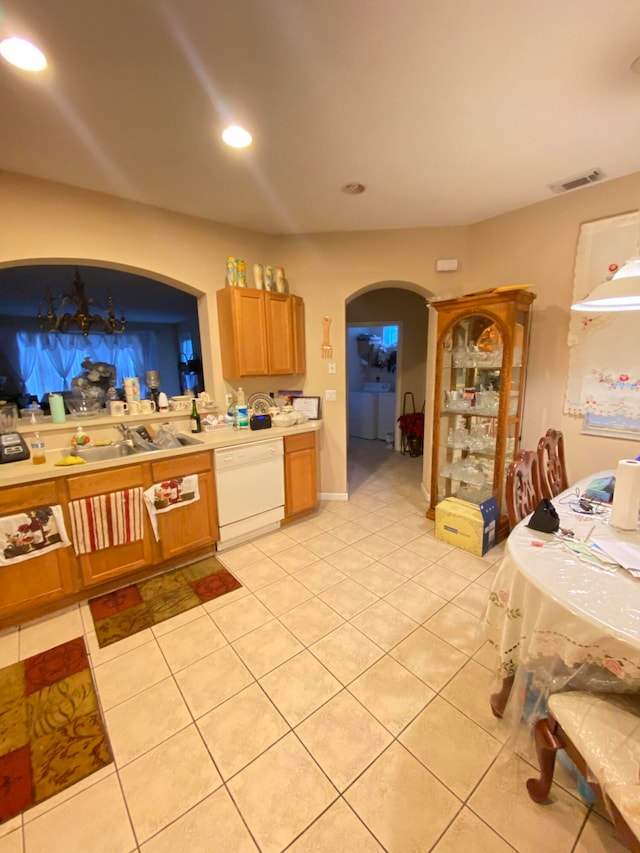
x=522 y=496
x=553 y=469
x=522 y=491
x=601 y=734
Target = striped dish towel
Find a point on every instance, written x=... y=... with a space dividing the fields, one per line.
x=106 y=520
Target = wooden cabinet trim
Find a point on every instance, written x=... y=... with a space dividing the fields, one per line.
x=301 y=441
x=102 y=482
x=18 y=498
x=181 y=466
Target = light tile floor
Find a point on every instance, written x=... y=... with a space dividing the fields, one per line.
x=337 y=702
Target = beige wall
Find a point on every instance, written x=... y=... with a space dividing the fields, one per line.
x=327 y=270
x=538 y=244
x=49 y=222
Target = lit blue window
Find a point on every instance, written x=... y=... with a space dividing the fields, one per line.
x=390 y=336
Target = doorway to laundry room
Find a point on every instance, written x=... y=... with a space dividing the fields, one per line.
x=372 y=356
x=386 y=361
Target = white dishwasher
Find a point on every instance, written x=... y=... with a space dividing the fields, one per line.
x=250 y=490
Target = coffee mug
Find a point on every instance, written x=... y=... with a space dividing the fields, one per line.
x=147 y=406
x=118 y=409
x=134 y=407
x=131 y=388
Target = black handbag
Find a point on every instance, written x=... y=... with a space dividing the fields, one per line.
x=545 y=517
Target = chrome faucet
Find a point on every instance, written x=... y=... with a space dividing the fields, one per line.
x=124 y=430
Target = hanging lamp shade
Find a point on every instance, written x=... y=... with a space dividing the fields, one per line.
x=620 y=293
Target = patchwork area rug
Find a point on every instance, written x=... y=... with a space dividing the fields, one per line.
x=141 y=605
x=51 y=732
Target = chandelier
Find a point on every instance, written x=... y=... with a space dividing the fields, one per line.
x=83 y=319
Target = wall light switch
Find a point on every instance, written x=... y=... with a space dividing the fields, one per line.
x=332 y=367
x=447 y=265
x=330 y=396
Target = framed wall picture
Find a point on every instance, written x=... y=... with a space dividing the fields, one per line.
x=310 y=405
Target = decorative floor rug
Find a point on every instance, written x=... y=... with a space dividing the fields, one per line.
x=51 y=732
x=141 y=605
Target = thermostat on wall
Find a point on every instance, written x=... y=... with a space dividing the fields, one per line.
x=450 y=265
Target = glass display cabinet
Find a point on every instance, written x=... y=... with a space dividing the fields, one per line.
x=482 y=343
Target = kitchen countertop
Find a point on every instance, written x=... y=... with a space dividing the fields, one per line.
x=58 y=436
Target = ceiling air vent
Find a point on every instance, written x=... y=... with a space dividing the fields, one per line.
x=577 y=181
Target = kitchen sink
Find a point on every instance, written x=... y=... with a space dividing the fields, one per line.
x=188 y=440
x=119 y=449
x=101 y=454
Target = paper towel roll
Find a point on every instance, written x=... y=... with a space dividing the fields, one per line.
x=626 y=495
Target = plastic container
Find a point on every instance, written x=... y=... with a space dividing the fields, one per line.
x=242 y=411
x=38 y=456
x=56 y=404
x=80 y=439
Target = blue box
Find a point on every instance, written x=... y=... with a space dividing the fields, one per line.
x=601 y=489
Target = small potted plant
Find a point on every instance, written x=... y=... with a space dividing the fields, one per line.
x=412 y=427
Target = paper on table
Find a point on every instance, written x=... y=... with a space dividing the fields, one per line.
x=628 y=556
x=584 y=552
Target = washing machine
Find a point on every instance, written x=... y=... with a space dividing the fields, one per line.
x=386 y=414
x=363 y=414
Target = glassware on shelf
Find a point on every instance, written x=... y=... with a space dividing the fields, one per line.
x=458 y=438
x=472 y=356
x=474 y=494
x=480 y=441
x=465 y=470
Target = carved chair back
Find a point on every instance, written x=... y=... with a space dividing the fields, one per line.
x=522 y=493
x=553 y=470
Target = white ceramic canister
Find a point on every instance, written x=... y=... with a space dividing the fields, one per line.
x=131 y=388
x=258 y=276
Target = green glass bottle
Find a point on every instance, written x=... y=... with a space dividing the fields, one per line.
x=196 y=424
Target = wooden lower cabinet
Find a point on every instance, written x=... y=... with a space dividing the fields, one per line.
x=194 y=525
x=42 y=579
x=108 y=563
x=300 y=474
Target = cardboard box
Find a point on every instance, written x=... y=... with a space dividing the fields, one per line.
x=473 y=527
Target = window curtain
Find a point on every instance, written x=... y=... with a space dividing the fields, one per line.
x=49 y=361
x=28 y=356
x=61 y=350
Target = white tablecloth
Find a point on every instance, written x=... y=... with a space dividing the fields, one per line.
x=558 y=621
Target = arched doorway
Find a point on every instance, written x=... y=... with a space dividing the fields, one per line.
x=377 y=368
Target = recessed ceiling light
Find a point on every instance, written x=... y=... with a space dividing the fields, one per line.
x=353 y=189
x=236 y=136
x=23 y=54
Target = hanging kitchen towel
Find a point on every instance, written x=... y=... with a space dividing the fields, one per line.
x=105 y=520
x=29 y=534
x=169 y=494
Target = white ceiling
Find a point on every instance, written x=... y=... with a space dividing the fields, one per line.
x=450 y=111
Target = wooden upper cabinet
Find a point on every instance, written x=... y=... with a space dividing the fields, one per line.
x=280 y=319
x=243 y=332
x=299 y=340
x=261 y=333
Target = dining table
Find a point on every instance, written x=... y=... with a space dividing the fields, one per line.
x=559 y=614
